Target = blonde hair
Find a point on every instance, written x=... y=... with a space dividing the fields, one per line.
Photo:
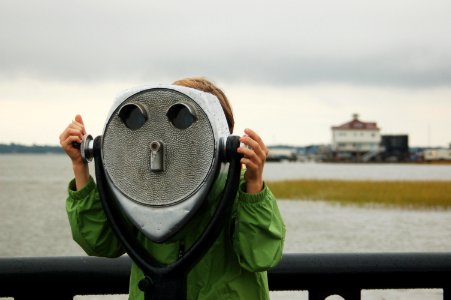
x=203 y=84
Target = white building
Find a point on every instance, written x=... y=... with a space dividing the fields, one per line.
x=437 y=154
x=281 y=153
x=356 y=139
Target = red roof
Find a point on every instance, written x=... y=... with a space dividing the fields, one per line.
x=357 y=124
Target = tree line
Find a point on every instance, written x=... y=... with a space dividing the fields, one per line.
x=17 y=148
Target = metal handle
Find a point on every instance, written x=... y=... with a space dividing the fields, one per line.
x=86 y=148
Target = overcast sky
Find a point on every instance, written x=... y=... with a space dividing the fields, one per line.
x=292 y=69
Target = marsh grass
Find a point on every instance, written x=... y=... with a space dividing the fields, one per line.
x=409 y=194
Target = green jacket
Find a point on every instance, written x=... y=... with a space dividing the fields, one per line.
x=234 y=267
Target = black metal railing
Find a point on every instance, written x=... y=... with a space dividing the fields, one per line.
x=321 y=275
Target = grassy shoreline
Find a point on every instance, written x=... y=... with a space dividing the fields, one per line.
x=403 y=194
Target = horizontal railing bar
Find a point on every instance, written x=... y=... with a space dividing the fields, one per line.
x=64 y=275
x=316 y=272
x=363 y=270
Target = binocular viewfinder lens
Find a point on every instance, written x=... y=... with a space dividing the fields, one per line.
x=133 y=115
x=181 y=116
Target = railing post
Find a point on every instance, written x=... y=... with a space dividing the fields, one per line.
x=446 y=294
x=316 y=295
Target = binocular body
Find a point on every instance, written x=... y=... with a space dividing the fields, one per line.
x=162 y=149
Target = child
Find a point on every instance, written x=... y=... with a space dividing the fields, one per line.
x=235 y=266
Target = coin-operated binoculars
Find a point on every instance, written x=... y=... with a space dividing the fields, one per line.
x=161 y=150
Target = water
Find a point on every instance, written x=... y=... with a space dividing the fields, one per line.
x=283 y=171
x=323 y=227
x=33 y=220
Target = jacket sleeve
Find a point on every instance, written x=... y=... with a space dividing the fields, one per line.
x=88 y=222
x=259 y=231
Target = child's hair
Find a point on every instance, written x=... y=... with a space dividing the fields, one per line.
x=203 y=84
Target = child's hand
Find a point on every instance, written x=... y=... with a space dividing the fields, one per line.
x=74 y=132
x=255 y=154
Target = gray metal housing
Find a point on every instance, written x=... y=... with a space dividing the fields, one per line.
x=159 y=203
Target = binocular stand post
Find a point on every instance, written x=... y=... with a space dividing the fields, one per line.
x=169 y=282
x=170 y=287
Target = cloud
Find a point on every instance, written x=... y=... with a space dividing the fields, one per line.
x=291 y=68
x=304 y=115
x=402 y=43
